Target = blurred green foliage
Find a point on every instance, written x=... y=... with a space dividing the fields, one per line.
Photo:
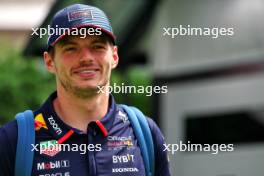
x=25 y=84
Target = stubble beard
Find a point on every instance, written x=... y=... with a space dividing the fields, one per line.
x=81 y=92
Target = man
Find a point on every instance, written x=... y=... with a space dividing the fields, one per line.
x=79 y=115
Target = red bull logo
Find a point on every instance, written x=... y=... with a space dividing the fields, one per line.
x=39 y=122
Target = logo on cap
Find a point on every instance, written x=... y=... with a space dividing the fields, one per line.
x=80 y=14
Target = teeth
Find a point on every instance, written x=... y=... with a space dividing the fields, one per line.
x=87 y=71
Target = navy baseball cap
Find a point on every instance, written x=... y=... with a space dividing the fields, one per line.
x=79 y=16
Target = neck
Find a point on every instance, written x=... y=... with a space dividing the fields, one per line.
x=79 y=112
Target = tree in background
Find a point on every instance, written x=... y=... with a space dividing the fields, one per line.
x=24 y=84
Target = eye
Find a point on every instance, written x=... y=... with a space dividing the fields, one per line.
x=99 y=46
x=70 y=49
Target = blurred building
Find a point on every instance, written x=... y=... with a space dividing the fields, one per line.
x=18 y=17
x=215 y=85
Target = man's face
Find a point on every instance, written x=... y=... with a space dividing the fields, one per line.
x=81 y=65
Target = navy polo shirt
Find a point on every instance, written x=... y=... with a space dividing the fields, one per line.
x=108 y=148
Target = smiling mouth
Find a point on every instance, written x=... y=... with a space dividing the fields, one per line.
x=86 y=72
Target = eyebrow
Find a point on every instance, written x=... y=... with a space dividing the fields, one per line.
x=100 y=40
x=66 y=41
x=69 y=41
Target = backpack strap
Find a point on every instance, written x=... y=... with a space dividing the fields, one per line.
x=25 y=137
x=148 y=137
x=144 y=137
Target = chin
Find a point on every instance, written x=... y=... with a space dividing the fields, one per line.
x=90 y=84
x=87 y=87
x=86 y=83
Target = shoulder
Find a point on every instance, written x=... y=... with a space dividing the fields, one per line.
x=157 y=135
x=8 y=133
x=161 y=155
x=8 y=142
x=155 y=130
x=152 y=125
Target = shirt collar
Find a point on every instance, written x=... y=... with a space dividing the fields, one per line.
x=58 y=128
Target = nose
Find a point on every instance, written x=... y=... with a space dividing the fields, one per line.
x=86 y=55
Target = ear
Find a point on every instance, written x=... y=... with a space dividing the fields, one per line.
x=49 y=62
x=115 y=57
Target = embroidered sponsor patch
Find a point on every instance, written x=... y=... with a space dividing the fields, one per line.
x=122 y=116
x=39 y=122
x=114 y=142
x=50 y=148
x=127 y=169
x=53 y=165
x=55 y=125
x=123 y=158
